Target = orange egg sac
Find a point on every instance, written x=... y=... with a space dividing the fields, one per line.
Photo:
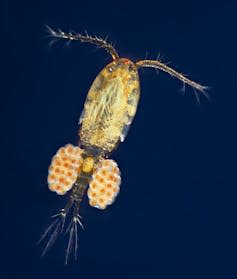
x=64 y=169
x=104 y=185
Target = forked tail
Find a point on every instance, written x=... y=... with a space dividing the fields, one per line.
x=57 y=227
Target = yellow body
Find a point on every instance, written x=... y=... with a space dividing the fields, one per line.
x=110 y=106
x=109 y=109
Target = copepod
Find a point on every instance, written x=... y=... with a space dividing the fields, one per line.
x=109 y=109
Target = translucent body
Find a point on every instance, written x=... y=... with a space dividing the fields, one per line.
x=109 y=109
x=110 y=106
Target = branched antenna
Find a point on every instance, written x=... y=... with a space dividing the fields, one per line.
x=162 y=66
x=59 y=34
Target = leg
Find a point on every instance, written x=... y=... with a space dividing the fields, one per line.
x=84 y=39
x=161 y=66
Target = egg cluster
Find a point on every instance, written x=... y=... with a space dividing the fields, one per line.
x=104 y=185
x=64 y=169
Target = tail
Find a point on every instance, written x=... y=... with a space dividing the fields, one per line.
x=57 y=227
x=73 y=238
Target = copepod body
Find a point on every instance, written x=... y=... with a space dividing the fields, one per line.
x=109 y=109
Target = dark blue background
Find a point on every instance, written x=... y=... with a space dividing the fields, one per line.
x=176 y=214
